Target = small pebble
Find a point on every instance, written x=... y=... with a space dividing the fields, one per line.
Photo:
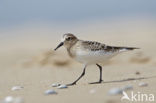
x=62 y=86
x=137 y=73
x=8 y=99
x=142 y=84
x=115 y=91
x=127 y=87
x=92 y=91
x=55 y=85
x=49 y=92
x=16 y=88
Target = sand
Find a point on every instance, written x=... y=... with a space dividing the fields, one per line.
x=34 y=65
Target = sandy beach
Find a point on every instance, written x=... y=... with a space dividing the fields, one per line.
x=30 y=62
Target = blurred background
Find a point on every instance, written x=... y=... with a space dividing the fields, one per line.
x=32 y=25
x=31 y=29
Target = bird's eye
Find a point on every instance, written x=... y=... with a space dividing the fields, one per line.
x=69 y=38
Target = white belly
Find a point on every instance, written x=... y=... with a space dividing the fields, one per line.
x=93 y=57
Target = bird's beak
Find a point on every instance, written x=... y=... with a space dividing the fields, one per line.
x=61 y=44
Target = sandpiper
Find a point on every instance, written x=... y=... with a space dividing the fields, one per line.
x=89 y=52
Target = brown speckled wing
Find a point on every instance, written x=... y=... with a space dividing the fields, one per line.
x=93 y=46
x=96 y=46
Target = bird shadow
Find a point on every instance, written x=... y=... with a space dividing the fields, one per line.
x=125 y=80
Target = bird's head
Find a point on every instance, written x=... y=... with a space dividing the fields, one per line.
x=67 y=40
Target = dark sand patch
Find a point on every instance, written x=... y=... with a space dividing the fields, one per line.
x=140 y=58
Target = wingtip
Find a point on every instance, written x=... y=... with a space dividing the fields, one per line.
x=137 y=48
x=132 y=48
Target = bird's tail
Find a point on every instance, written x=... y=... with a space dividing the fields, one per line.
x=127 y=48
x=130 y=48
x=120 y=48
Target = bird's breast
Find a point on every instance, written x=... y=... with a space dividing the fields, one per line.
x=92 y=57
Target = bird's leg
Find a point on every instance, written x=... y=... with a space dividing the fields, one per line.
x=100 y=80
x=83 y=73
x=100 y=68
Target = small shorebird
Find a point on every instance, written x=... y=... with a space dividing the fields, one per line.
x=89 y=52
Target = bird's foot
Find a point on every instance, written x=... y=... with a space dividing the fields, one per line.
x=98 y=82
x=71 y=84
